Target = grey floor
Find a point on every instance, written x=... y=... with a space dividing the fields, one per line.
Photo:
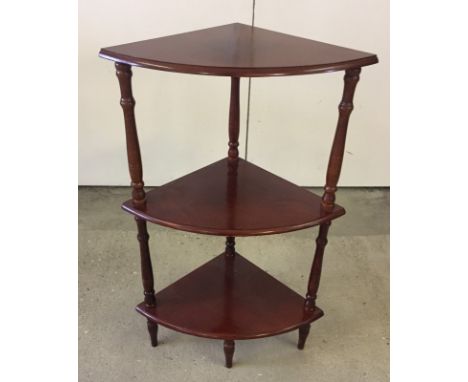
x=350 y=343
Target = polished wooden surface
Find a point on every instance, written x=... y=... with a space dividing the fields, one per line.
x=124 y=74
x=234 y=119
x=229 y=298
x=316 y=269
x=242 y=202
x=229 y=347
x=145 y=260
x=238 y=50
x=335 y=161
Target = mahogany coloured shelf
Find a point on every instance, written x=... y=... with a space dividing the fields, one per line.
x=238 y=50
x=250 y=202
x=230 y=298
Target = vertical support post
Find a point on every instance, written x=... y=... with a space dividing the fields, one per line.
x=233 y=152
x=230 y=246
x=124 y=74
x=228 y=352
x=234 y=111
x=316 y=270
x=147 y=276
x=345 y=107
x=146 y=266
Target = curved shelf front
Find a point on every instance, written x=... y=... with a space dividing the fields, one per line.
x=229 y=298
x=233 y=199
x=238 y=50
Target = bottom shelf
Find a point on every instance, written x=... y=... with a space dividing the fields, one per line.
x=229 y=298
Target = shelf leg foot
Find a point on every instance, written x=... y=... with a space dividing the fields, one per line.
x=153 y=331
x=228 y=352
x=303 y=333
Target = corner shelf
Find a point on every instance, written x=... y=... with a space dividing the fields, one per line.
x=238 y=50
x=229 y=298
x=244 y=200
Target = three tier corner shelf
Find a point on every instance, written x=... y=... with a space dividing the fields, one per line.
x=229 y=298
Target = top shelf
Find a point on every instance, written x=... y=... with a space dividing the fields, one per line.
x=238 y=50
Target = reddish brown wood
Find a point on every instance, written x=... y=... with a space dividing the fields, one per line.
x=146 y=266
x=153 y=331
x=229 y=352
x=214 y=201
x=233 y=152
x=303 y=334
x=124 y=74
x=229 y=298
x=316 y=271
x=238 y=50
x=230 y=246
x=351 y=79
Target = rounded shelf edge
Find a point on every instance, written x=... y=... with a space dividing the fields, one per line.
x=261 y=231
x=314 y=315
x=237 y=72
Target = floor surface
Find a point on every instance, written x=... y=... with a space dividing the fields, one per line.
x=350 y=343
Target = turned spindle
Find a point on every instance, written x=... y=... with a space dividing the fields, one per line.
x=233 y=152
x=124 y=74
x=316 y=270
x=230 y=246
x=335 y=161
x=146 y=266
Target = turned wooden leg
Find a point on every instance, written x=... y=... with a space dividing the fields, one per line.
x=335 y=161
x=315 y=272
x=230 y=249
x=124 y=74
x=146 y=266
x=228 y=352
x=303 y=333
x=153 y=331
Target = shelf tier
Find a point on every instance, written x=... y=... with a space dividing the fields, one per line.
x=229 y=298
x=238 y=50
x=233 y=199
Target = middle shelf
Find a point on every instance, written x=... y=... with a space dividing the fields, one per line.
x=233 y=199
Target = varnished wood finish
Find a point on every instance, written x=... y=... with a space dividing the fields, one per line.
x=233 y=152
x=249 y=202
x=124 y=74
x=146 y=266
x=303 y=334
x=229 y=298
x=229 y=352
x=238 y=50
x=351 y=79
x=153 y=331
x=230 y=246
x=316 y=270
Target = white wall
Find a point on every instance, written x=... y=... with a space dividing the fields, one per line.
x=182 y=119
